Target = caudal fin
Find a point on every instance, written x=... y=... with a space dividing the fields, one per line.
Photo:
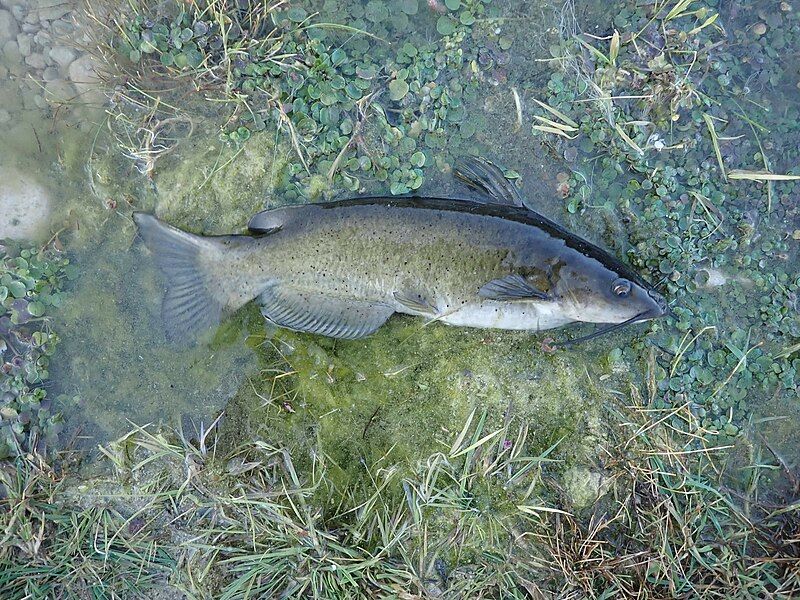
x=192 y=266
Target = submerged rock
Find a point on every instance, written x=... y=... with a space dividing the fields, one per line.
x=24 y=206
x=8 y=27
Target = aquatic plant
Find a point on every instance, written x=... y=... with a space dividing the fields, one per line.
x=657 y=129
x=30 y=288
x=356 y=110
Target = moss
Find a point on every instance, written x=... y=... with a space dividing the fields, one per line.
x=114 y=351
x=403 y=394
x=210 y=186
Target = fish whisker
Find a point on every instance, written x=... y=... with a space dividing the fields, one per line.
x=616 y=326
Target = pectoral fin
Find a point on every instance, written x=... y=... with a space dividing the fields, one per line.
x=487 y=178
x=416 y=303
x=511 y=287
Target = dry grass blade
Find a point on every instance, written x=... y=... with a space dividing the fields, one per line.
x=712 y=131
x=535 y=510
x=761 y=176
x=627 y=139
x=557 y=113
x=554 y=130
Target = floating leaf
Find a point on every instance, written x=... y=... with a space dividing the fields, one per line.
x=376 y=11
x=409 y=7
x=17 y=289
x=417 y=159
x=297 y=14
x=452 y=4
x=445 y=25
x=35 y=309
x=398 y=89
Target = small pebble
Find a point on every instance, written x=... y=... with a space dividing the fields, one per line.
x=61 y=27
x=760 y=28
x=36 y=61
x=25 y=44
x=62 y=55
x=50 y=74
x=43 y=38
x=786 y=7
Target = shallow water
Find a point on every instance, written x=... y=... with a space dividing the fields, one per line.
x=114 y=367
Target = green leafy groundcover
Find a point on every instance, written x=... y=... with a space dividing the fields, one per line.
x=355 y=107
x=30 y=290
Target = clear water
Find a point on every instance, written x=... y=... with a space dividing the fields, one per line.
x=114 y=366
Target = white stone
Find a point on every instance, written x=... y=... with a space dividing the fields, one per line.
x=43 y=38
x=82 y=73
x=8 y=27
x=62 y=55
x=5 y=116
x=716 y=278
x=50 y=74
x=61 y=27
x=24 y=206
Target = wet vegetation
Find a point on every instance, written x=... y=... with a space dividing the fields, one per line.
x=427 y=461
x=30 y=289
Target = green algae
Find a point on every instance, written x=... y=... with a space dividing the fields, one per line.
x=406 y=391
x=114 y=348
x=209 y=186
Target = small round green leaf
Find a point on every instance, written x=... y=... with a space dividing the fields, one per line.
x=398 y=89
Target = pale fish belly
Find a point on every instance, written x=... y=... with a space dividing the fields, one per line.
x=529 y=316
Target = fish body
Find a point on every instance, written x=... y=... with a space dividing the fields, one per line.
x=343 y=268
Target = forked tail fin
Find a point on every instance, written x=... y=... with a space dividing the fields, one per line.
x=195 y=272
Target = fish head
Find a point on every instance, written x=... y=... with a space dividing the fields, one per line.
x=595 y=293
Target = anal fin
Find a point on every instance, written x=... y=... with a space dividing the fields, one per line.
x=322 y=314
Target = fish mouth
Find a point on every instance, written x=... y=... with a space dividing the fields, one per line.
x=661 y=308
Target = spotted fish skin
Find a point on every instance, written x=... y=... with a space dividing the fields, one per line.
x=341 y=269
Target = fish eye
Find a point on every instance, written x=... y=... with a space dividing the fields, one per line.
x=621 y=288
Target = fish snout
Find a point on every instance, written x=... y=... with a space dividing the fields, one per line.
x=660 y=306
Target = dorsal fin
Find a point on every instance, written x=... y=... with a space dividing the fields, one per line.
x=487 y=178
